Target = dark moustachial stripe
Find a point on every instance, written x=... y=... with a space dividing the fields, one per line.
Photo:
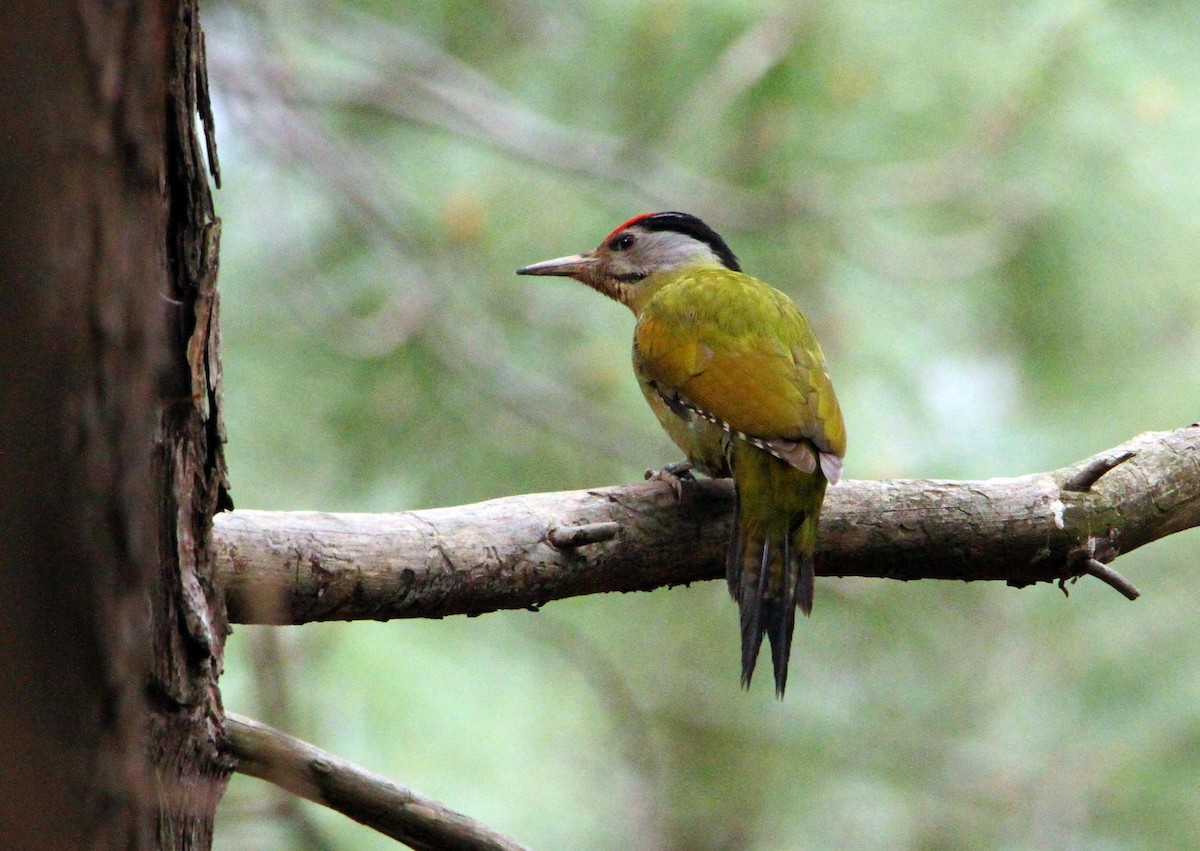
x=691 y=226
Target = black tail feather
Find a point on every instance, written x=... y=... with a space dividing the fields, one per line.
x=734 y=555
x=781 y=620
x=806 y=584
x=768 y=596
x=804 y=571
x=751 y=610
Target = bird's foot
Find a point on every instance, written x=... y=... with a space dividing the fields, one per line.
x=677 y=474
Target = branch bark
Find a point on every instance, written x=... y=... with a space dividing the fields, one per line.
x=296 y=567
x=375 y=801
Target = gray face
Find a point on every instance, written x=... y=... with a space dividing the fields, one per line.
x=627 y=257
x=635 y=253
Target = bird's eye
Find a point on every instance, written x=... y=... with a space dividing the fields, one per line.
x=622 y=242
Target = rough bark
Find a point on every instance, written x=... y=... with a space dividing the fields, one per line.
x=295 y=567
x=80 y=352
x=188 y=622
x=105 y=499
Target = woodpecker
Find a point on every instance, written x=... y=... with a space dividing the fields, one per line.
x=733 y=372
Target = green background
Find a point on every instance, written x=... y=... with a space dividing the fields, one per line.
x=991 y=215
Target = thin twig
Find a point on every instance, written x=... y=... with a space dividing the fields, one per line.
x=1092 y=471
x=634 y=735
x=394 y=72
x=1106 y=574
x=570 y=537
x=741 y=66
x=364 y=796
x=352 y=175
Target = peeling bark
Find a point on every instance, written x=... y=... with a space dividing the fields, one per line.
x=188 y=616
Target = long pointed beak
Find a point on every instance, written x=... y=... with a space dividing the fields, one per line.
x=575 y=266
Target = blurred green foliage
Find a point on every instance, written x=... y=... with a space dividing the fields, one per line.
x=990 y=214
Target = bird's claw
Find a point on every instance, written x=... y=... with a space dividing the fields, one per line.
x=677 y=474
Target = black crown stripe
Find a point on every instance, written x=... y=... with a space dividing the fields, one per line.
x=689 y=225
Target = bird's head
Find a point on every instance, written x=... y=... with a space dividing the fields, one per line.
x=632 y=256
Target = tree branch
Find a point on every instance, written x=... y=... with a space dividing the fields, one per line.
x=375 y=801
x=521 y=551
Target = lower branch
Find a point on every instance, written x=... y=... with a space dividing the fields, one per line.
x=375 y=801
x=523 y=551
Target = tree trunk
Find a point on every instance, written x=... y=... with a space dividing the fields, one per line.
x=110 y=464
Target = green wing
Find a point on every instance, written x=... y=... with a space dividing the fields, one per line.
x=741 y=353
